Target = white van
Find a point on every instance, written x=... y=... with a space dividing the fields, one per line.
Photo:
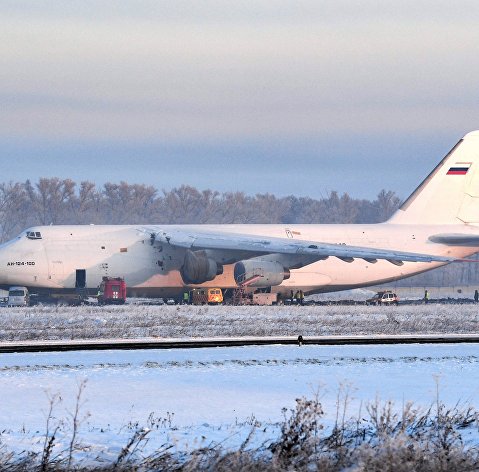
x=18 y=296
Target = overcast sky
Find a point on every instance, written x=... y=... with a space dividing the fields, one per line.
x=290 y=97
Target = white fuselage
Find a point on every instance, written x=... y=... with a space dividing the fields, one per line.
x=52 y=262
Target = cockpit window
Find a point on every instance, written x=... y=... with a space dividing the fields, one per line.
x=34 y=235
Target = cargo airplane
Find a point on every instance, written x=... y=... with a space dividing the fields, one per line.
x=436 y=225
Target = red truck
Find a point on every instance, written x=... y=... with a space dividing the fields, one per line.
x=112 y=291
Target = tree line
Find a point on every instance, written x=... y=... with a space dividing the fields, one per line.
x=63 y=201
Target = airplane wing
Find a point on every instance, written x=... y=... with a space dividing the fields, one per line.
x=255 y=246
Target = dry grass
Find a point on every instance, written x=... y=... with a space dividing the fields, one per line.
x=382 y=439
x=56 y=323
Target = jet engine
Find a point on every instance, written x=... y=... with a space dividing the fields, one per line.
x=268 y=273
x=198 y=268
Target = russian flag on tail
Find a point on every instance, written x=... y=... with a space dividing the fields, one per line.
x=460 y=168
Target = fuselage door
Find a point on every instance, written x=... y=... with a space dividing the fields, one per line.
x=80 y=278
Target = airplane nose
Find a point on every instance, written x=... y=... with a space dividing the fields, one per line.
x=20 y=262
x=5 y=251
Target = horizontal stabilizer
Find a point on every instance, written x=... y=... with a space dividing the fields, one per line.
x=456 y=239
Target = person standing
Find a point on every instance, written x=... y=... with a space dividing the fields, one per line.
x=426 y=297
x=476 y=295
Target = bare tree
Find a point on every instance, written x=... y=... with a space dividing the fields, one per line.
x=87 y=206
x=49 y=198
x=387 y=203
x=13 y=209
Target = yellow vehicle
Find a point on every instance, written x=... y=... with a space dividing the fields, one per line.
x=210 y=296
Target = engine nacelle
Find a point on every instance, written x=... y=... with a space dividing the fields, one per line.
x=198 y=268
x=269 y=273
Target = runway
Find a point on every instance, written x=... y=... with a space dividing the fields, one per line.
x=193 y=343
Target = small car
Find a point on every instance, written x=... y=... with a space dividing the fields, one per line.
x=383 y=298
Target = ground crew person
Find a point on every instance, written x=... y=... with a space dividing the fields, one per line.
x=476 y=295
x=186 y=297
x=426 y=297
x=301 y=297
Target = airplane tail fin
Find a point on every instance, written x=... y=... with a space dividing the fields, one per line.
x=450 y=193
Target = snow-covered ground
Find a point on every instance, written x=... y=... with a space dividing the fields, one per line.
x=192 y=398
x=90 y=322
x=216 y=394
